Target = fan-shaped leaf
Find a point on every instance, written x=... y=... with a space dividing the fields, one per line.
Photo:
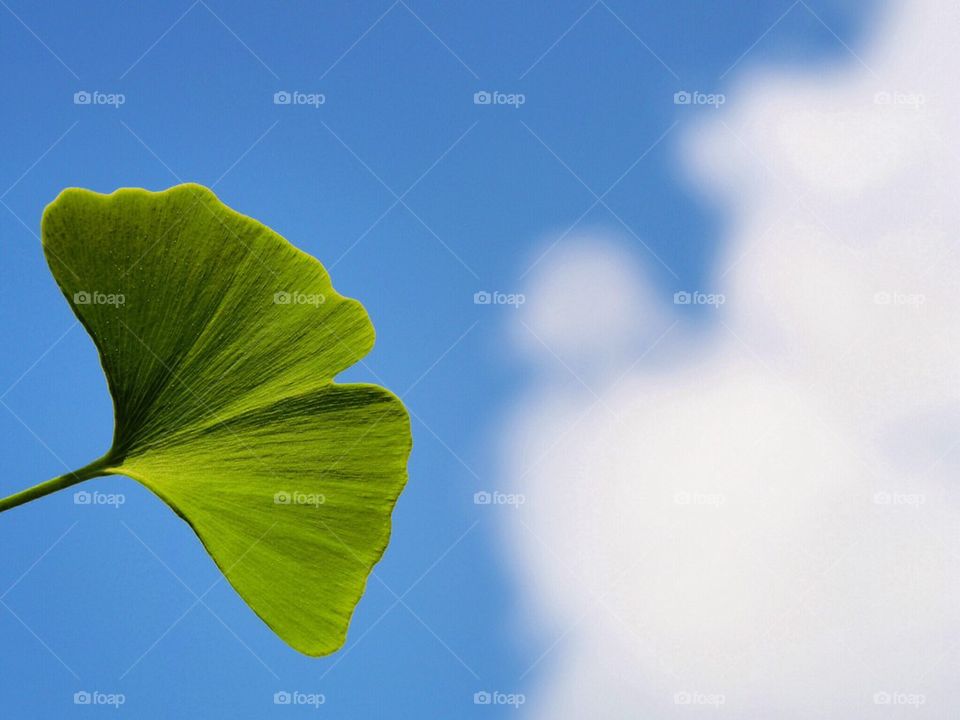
x=220 y=342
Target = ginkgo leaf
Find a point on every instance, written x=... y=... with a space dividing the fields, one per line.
x=220 y=341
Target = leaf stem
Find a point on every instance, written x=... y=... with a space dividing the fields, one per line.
x=94 y=469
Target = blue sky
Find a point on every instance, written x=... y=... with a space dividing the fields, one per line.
x=415 y=198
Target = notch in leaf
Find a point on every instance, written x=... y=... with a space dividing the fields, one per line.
x=220 y=341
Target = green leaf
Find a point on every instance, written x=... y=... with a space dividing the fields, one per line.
x=220 y=341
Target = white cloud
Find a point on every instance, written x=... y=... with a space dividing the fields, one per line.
x=768 y=512
x=592 y=338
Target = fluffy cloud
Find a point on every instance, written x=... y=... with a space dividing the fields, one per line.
x=762 y=516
